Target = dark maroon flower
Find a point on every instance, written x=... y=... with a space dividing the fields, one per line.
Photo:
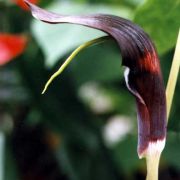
x=142 y=75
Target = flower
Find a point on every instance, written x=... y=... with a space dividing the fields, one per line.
x=11 y=46
x=143 y=75
x=21 y=3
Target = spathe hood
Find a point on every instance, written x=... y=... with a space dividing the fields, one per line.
x=142 y=75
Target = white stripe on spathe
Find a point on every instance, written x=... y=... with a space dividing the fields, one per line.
x=154 y=148
x=133 y=91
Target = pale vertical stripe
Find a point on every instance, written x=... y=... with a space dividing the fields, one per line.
x=2 y=145
x=173 y=76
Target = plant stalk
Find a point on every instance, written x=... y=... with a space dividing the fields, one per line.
x=152 y=166
x=173 y=76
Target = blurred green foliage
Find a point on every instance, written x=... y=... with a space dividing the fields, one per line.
x=160 y=19
x=80 y=151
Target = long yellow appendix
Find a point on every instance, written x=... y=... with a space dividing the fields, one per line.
x=72 y=56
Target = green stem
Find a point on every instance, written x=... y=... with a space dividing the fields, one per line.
x=72 y=56
x=173 y=76
x=152 y=166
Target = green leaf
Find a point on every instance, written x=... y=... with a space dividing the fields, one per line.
x=57 y=40
x=161 y=20
x=171 y=152
x=125 y=155
x=98 y=63
x=11 y=171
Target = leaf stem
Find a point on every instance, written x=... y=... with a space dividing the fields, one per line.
x=152 y=166
x=173 y=76
x=72 y=56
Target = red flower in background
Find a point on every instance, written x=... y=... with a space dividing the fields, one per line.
x=11 y=46
x=21 y=3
